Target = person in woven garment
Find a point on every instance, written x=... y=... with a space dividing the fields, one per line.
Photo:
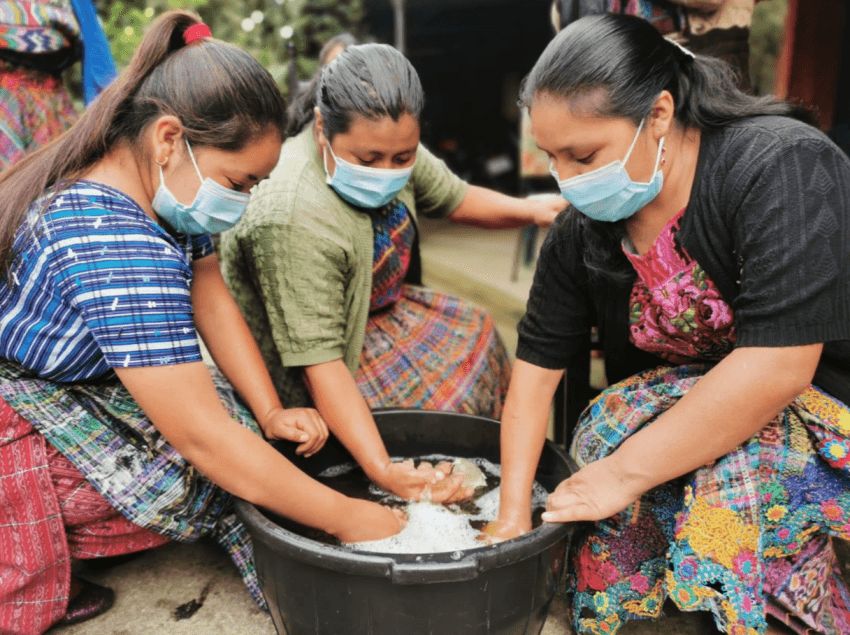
x=709 y=245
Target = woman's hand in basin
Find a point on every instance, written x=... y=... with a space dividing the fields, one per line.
x=425 y=482
x=500 y=530
x=365 y=521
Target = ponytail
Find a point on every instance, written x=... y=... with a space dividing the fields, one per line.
x=222 y=96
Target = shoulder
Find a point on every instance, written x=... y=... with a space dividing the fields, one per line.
x=91 y=212
x=758 y=141
x=295 y=193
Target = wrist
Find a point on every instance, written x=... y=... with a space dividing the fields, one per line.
x=265 y=419
x=342 y=510
x=632 y=469
x=378 y=471
x=516 y=512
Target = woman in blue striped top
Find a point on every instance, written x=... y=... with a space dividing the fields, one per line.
x=109 y=278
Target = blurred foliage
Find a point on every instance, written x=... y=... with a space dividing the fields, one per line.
x=268 y=29
x=766 y=33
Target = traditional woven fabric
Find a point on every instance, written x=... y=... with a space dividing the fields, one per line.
x=97 y=284
x=37 y=26
x=394 y=233
x=676 y=311
x=664 y=17
x=49 y=514
x=745 y=536
x=93 y=528
x=435 y=351
x=106 y=435
x=35 y=108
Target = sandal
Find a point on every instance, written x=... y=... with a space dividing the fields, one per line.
x=88 y=600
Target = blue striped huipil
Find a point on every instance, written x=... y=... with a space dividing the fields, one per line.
x=97 y=284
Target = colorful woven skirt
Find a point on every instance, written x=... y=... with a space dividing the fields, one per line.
x=35 y=108
x=434 y=351
x=745 y=537
x=103 y=432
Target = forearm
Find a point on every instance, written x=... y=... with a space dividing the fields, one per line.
x=229 y=340
x=234 y=350
x=523 y=433
x=183 y=404
x=339 y=402
x=727 y=406
x=492 y=210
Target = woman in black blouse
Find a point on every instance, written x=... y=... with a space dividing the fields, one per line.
x=709 y=243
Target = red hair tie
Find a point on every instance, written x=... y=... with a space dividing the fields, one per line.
x=196 y=32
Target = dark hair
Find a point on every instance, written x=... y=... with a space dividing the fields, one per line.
x=223 y=97
x=371 y=80
x=618 y=65
x=300 y=111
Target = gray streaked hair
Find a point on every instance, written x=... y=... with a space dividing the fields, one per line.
x=370 y=80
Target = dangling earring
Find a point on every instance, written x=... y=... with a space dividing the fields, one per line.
x=663 y=158
x=161 y=164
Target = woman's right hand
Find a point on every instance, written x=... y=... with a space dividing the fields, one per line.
x=364 y=521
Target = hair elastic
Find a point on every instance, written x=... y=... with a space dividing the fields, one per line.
x=196 y=32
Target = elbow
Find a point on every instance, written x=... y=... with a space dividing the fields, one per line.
x=795 y=369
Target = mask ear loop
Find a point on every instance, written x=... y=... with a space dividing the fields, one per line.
x=328 y=177
x=192 y=156
x=632 y=147
x=634 y=141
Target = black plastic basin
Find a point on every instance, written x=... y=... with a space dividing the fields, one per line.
x=505 y=589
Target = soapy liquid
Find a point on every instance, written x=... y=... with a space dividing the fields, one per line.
x=430 y=528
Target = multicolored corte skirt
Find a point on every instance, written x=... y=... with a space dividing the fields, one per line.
x=35 y=108
x=106 y=436
x=435 y=351
x=747 y=536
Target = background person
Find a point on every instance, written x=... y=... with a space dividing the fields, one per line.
x=116 y=437
x=710 y=247
x=320 y=265
x=719 y=28
x=39 y=39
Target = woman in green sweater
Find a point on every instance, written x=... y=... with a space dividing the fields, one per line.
x=319 y=262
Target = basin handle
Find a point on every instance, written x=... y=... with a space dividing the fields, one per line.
x=434 y=572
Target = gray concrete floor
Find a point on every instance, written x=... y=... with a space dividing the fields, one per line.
x=153 y=590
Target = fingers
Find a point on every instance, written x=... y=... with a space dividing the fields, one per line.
x=318 y=431
x=304 y=426
x=567 y=507
x=401 y=517
x=498 y=531
x=447 y=490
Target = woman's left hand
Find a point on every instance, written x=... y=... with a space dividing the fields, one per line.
x=545 y=207
x=595 y=492
x=299 y=425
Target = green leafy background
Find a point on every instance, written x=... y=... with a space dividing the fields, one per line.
x=273 y=31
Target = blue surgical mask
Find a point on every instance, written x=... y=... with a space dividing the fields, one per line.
x=608 y=193
x=215 y=208
x=364 y=186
